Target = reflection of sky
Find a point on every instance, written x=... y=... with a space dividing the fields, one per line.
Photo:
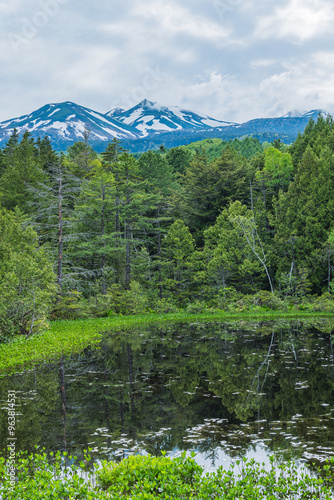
x=222 y=459
x=229 y=443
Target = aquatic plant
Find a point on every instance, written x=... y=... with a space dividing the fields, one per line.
x=72 y=336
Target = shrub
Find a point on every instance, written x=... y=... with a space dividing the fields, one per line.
x=42 y=477
x=69 y=307
x=165 y=306
x=324 y=303
x=268 y=299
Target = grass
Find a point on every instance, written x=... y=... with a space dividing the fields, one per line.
x=72 y=336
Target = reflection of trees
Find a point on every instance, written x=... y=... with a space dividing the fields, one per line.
x=145 y=388
x=36 y=397
x=63 y=398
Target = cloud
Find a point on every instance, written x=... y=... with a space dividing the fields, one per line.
x=299 y=20
x=173 y=19
x=232 y=59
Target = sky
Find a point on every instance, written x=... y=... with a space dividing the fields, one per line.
x=234 y=60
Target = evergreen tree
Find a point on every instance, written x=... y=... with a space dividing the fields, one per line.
x=94 y=215
x=52 y=204
x=22 y=171
x=210 y=186
x=178 y=247
x=303 y=217
x=27 y=281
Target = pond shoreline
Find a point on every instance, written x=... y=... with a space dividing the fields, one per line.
x=66 y=337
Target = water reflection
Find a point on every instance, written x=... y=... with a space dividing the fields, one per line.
x=224 y=390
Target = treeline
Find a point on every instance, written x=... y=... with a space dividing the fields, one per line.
x=205 y=225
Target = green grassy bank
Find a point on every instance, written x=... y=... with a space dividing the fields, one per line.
x=72 y=336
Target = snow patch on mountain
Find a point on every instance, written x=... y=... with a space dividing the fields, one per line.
x=68 y=121
x=313 y=113
x=149 y=117
x=65 y=123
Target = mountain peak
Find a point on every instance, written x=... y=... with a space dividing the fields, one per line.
x=150 y=117
x=113 y=113
x=313 y=113
x=145 y=103
x=67 y=122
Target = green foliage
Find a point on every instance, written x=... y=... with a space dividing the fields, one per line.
x=324 y=303
x=23 y=170
x=303 y=218
x=68 y=307
x=146 y=477
x=247 y=147
x=179 y=159
x=202 y=223
x=81 y=159
x=69 y=337
x=26 y=277
x=178 y=247
x=158 y=172
x=269 y=300
x=150 y=477
x=209 y=186
x=277 y=170
x=131 y=301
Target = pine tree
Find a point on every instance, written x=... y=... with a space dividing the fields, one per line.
x=22 y=171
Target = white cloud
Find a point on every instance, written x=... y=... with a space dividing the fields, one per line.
x=173 y=19
x=232 y=59
x=300 y=20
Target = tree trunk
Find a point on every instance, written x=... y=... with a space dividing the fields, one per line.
x=60 y=238
x=117 y=226
x=103 y=256
x=127 y=239
x=159 y=256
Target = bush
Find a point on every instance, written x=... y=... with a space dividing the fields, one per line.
x=324 y=303
x=132 y=301
x=155 y=477
x=268 y=299
x=42 y=477
x=69 y=307
x=165 y=306
x=196 y=307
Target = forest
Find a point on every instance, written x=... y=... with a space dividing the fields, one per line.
x=212 y=225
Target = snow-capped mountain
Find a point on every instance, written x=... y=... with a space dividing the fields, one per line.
x=114 y=113
x=314 y=113
x=149 y=117
x=66 y=122
x=146 y=126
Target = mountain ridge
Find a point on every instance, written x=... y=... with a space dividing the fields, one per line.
x=146 y=126
x=148 y=116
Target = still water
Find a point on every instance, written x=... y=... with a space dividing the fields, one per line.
x=224 y=390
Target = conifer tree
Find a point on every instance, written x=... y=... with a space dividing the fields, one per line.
x=22 y=171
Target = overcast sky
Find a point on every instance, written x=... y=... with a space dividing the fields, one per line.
x=232 y=59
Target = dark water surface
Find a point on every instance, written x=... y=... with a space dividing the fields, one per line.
x=224 y=390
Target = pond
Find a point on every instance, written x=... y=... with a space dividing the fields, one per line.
x=223 y=390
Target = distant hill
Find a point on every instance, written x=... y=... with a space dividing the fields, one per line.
x=146 y=126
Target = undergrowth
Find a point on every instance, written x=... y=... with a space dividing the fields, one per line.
x=43 y=477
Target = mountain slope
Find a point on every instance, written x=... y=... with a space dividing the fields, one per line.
x=66 y=122
x=146 y=126
x=149 y=117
